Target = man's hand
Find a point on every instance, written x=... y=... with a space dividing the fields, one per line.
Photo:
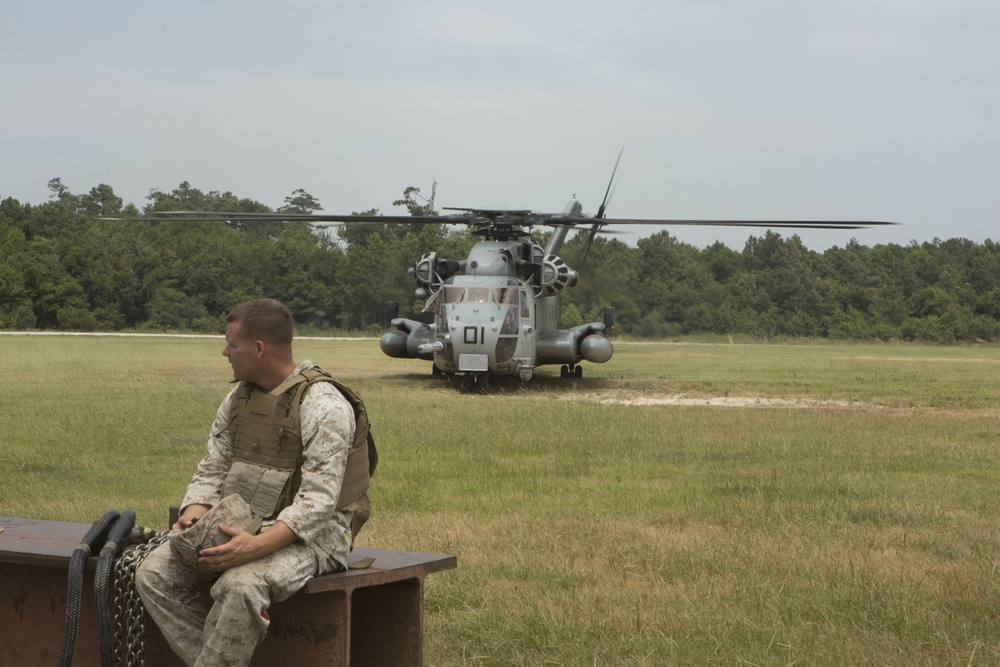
x=243 y=547
x=190 y=517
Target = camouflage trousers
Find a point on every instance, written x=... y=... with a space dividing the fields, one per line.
x=227 y=633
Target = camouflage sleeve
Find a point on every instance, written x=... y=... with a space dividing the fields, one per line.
x=205 y=487
x=327 y=422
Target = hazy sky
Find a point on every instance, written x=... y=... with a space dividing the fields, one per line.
x=845 y=109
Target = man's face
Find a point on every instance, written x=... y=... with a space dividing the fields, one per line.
x=242 y=353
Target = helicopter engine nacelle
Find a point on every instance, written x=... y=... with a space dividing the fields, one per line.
x=555 y=275
x=431 y=271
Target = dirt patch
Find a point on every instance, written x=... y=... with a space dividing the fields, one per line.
x=801 y=403
x=727 y=401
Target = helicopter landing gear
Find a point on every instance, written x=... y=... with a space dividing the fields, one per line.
x=475 y=382
x=435 y=370
x=571 y=371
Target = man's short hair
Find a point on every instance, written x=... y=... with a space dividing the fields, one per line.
x=264 y=319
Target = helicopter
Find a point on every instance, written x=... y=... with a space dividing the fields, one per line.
x=497 y=311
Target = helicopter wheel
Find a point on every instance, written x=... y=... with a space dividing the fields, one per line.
x=564 y=372
x=435 y=370
x=476 y=382
x=578 y=372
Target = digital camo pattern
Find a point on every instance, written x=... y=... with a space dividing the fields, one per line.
x=327 y=421
x=228 y=632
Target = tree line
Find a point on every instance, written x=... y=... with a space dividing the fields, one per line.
x=63 y=268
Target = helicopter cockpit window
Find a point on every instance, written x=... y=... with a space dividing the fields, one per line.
x=499 y=295
x=454 y=294
x=478 y=295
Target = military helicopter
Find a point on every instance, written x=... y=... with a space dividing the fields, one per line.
x=497 y=312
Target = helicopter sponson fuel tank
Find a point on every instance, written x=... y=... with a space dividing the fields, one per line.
x=405 y=340
x=569 y=346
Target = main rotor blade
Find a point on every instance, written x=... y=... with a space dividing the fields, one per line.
x=777 y=224
x=232 y=216
x=486 y=217
x=607 y=193
x=596 y=227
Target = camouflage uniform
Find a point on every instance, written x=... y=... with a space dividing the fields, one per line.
x=228 y=633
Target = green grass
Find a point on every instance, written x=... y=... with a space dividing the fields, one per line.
x=601 y=521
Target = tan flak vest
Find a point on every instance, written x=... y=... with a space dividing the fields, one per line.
x=267 y=448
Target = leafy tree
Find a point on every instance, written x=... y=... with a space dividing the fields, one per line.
x=302 y=272
x=62 y=267
x=15 y=299
x=300 y=201
x=670 y=280
x=607 y=278
x=101 y=201
x=410 y=198
x=370 y=281
x=172 y=309
x=50 y=289
x=356 y=234
x=786 y=271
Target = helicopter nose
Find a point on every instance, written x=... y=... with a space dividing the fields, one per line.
x=470 y=342
x=473 y=335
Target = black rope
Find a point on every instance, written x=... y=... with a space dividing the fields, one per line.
x=74 y=591
x=121 y=531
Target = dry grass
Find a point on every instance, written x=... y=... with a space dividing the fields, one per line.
x=648 y=514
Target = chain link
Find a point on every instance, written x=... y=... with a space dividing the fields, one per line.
x=129 y=613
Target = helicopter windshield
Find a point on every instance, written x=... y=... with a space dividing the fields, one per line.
x=500 y=295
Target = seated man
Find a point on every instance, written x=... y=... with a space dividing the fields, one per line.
x=285 y=439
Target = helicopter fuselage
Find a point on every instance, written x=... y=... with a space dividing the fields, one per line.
x=499 y=317
x=485 y=325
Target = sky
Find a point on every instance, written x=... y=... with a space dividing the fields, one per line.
x=773 y=109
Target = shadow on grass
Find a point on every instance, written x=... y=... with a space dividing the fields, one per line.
x=540 y=383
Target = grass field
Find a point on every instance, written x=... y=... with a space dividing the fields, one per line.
x=684 y=504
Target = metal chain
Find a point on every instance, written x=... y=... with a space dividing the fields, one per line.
x=129 y=621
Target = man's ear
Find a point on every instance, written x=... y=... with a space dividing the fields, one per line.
x=259 y=347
